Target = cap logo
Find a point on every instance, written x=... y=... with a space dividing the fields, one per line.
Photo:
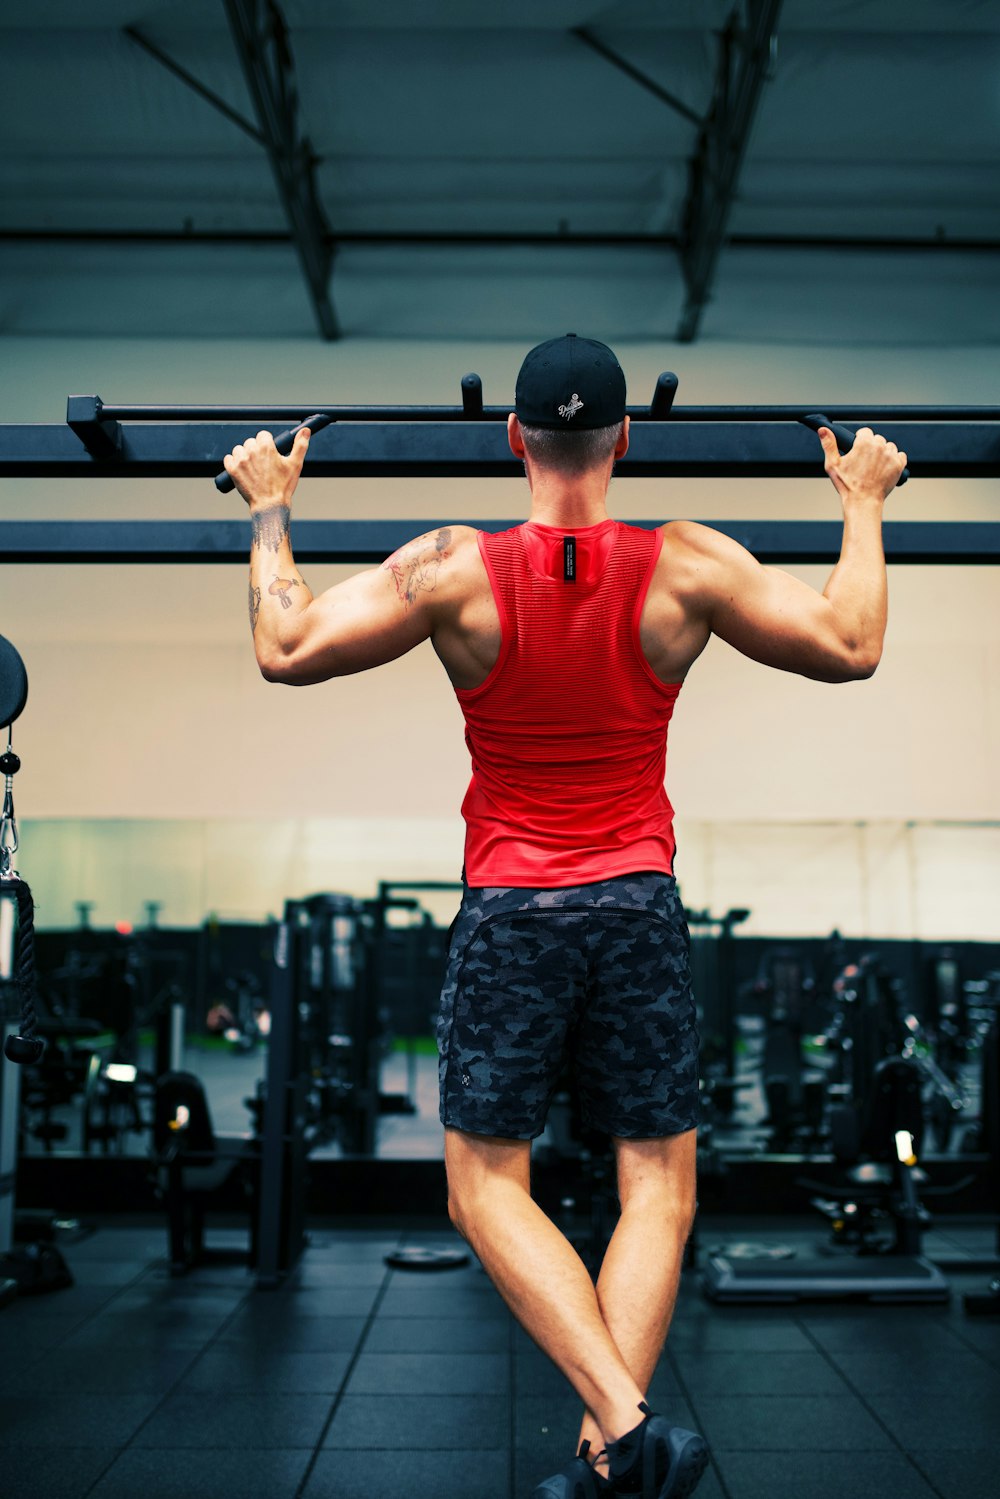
x=572 y=406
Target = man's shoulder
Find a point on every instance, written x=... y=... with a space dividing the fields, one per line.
x=690 y=536
x=690 y=559
x=444 y=543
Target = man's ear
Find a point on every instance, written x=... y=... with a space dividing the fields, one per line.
x=621 y=447
x=514 y=436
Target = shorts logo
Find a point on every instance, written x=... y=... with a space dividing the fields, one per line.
x=572 y=406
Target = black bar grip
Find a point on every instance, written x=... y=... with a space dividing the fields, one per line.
x=663 y=396
x=845 y=437
x=284 y=443
x=472 y=396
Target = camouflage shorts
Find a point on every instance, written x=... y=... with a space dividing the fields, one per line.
x=594 y=974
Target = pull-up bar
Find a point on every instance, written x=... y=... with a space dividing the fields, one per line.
x=106 y=441
x=320 y=419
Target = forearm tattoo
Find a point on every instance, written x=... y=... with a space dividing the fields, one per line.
x=270 y=526
x=415 y=567
x=282 y=588
x=254 y=607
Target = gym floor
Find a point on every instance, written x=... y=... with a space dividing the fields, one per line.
x=363 y=1382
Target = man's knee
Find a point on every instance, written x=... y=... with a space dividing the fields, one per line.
x=660 y=1176
x=455 y=1214
x=475 y=1164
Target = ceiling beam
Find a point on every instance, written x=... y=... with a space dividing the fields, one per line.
x=489 y=238
x=262 y=44
x=745 y=53
x=643 y=79
x=201 y=89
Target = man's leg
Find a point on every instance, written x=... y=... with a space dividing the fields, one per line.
x=637 y=1286
x=539 y=1274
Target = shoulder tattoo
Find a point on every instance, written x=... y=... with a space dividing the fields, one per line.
x=415 y=567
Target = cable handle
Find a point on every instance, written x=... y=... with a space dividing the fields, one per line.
x=284 y=443
x=10 y=764
x=27 y=1046
x=845 y=437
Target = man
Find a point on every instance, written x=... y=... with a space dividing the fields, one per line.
x=567 y=640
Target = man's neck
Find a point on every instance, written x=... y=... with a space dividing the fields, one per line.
x=559 y=501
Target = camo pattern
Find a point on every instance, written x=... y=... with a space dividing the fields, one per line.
x=598 y=974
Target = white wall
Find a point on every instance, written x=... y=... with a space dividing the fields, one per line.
x=158 y=764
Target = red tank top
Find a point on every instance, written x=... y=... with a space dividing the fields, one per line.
x=568 y=734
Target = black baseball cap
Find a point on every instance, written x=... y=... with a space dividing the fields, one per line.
x=570 y=383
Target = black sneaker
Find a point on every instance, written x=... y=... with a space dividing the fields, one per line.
x=657 y=1460
x=578 y=1480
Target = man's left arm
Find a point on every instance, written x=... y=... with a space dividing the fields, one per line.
x=366 y=621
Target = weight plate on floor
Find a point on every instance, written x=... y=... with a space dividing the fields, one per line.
x=427 y=1259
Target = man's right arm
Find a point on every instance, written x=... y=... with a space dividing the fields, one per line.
x=774 y=618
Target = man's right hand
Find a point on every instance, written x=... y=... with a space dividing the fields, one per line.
x=871 y=467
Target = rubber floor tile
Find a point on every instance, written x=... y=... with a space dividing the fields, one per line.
x=470 y=1277
x=821 y=1475
x=293 y=1335
x=322 y=1301
x=983 y=1335
x=541 y=1450
x=137 y=1329
x=536 y=1374
x=434 y=1335
x=346 y=1251
x=51 y=1472
x=172 y=1474
x=112 y=1273
x=961 y=1419
x=809 y=1423
x=77 y=1301
x=417 y=1475
x=72 y=1419
x=420 y=1422
x=254 y=1369
x=212 y=1277
x=709 y=1374
x=664 y=1389
x=539 y=1417
x=177 y=1298
x=430 y=1374
x=23 y=1337
x=353 y=1296
x=884 y=1370
x=237 y=1421
x=960 y=1475
x=916 y=1329
x=412 y=1301
x=313 y=1278
x=132 y=1371
x=722 y=1332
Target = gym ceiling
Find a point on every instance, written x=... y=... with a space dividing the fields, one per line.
x=454 y=169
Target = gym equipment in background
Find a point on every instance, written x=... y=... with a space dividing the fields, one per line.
x=191 y=1163
x=35 y=1267
x=876 y=1133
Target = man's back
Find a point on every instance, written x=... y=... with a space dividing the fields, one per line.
x=467 y=635
x=568 y=730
